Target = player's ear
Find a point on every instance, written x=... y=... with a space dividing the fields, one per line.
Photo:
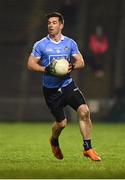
x=61 y=26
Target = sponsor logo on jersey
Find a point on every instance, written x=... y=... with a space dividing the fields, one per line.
x=49 y=50
x=57 y=57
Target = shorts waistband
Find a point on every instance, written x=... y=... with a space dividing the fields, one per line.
x=54 y=90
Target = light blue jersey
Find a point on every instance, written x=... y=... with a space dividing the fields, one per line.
x=46 y=50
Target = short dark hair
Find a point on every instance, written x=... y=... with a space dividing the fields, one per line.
x=56 y=14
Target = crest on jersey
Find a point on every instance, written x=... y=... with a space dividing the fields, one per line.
x=66 y=48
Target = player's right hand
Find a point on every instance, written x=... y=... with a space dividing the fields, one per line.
x=50 y=69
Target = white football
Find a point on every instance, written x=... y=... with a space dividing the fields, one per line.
x=61 y=67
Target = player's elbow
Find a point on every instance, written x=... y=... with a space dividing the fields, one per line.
x=83 y=64
x=30 y=63
x=29 y=66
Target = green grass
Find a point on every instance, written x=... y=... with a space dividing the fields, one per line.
x=25 y=152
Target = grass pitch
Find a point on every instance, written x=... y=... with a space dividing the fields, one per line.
x=25 y=152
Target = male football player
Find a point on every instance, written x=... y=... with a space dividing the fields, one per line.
x=61 y=91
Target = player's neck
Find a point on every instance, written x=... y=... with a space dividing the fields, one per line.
x=56 y=37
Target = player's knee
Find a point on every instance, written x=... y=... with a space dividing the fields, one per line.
x=62 y=124
x=83 y=112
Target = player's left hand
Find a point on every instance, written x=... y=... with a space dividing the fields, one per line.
x=71 y=67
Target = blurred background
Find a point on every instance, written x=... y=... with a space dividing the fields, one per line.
x=98 y=26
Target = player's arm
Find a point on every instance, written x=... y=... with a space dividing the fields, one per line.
x=33 y=64
x=78 y=62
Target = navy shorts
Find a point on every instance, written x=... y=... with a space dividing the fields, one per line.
x=57 y=99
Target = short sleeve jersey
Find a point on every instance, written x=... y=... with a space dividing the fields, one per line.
x=46 y=50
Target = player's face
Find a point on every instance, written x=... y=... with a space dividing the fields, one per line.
x=54 y=26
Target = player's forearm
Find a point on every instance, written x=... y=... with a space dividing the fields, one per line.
x=33 y=64
x=78 y=61
x=79 y=64
x=35 y=67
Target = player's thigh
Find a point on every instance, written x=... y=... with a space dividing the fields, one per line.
x=54 y=101
x=58 y=114
x=76 y=100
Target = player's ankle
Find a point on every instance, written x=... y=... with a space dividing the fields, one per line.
x=87 y=144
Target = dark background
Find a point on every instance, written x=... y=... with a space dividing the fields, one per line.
x=23 y=22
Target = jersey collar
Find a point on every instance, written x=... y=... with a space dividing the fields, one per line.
x=62 y=38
